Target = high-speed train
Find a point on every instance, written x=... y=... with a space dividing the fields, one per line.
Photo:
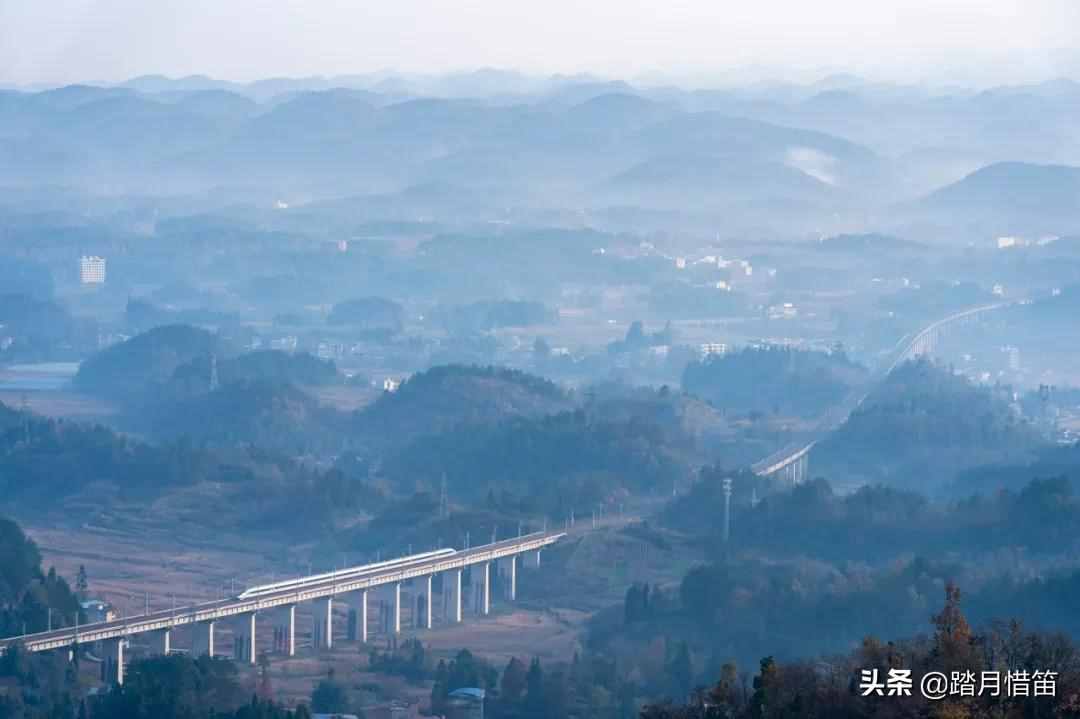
x=343 y=574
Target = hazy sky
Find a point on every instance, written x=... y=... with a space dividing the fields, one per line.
x=983 y=41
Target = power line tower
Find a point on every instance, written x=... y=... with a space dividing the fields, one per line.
x=25 y=406
x=213 y=373
x=727 y=510
x=444 y=499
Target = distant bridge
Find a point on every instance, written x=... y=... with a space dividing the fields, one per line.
x=792 y=462
x=286 y=595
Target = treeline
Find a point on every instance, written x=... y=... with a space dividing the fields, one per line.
x=375 y=315
x=550 y=464
x=30 y=598
x=45 y=462
x=813 y=569
x=584 y=688
x=815 y=520
x=489 y=315
x=35 y=328
x=773 y=380
x=836 y=686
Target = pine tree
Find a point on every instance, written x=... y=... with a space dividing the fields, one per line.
x=82 y=585
x=953 y=649
x=535 y=703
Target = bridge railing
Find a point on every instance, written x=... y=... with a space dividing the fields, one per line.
x=226 y=608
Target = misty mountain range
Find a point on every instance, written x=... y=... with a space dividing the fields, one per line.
x=841 y=155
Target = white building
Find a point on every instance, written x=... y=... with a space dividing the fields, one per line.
x=786 y=311
x=713 y=348
x=285 y=344
x=92 y=270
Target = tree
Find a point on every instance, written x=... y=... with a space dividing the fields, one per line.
x=535 y=700
x=266 y=689
x=764 y=687
x=514 y=681
x=725 y=694
x=681 y=672
x=953 y=648
x=82 y=585
x=439 y=689
x=329 y=697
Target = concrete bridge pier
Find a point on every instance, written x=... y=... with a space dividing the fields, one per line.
x=363 y=619
x=114 y=661
x=161 y=641
x=244 y=633
x=202 y=639
x=457 y=596
x=513 y=578
x=324 y=615
x=428 y=601
x=486 y=608
x=397 y=607
x=290 y=630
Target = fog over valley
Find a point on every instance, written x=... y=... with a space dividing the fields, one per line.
x=594 y=363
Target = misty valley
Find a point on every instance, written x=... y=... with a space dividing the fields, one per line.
x=486 y=394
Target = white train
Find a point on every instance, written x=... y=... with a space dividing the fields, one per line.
x=343 y=574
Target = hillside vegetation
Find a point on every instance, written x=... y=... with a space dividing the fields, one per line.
x=920 y=427
x=773 y=380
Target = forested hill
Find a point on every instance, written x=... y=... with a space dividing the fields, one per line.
x=174 y=362
x=544 y=465
x=67 y=470
x=773 y=380
x=27 y=593
x=920 y=427
x=450 y=396
x=268 y=414
x=137 y=366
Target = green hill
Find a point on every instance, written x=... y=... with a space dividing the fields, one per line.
x=135 y=367
x=773 y=380
x=920 y=427
x=445 y=397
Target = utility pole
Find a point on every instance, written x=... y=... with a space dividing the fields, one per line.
x=727 y=510
x=213 y=373
x=26 y=419
x=444 y=499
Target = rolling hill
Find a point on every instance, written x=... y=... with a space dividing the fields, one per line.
x=1013 y=197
